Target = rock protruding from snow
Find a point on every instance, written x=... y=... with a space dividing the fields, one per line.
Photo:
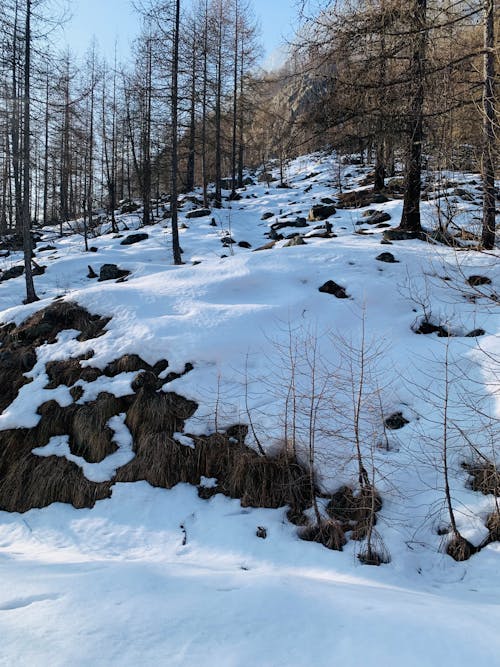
x=387 y=257
x=333 y=288
x=321 y=212
x=198 y=213
x=112 y=272
x=134 y=238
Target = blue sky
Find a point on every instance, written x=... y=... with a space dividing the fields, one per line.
x=115 y=19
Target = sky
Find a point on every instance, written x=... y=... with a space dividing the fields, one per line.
x=112 y=20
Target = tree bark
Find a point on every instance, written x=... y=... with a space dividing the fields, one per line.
x=410 y=219
x=489 y=147
x=30 y=288
x=175 y=157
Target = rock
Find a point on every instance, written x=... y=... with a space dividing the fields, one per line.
x=261 y=532
x=327 y=200
x=213 y=223
x=91 y=274
x=13 y=272
x=331 y=287
x=93 y=249
x=360 y=198
x=112 y=272
x=463 y=194
x=134 y=238
x=477 y=281
x=198 y=213
x=267 y=246
x=397 y=234
x=281 y=224
x=387 y=257
x=264 y=177
x=321 y=212
x=321 y=235
x=227 y=240
x=47 y=248
x=274 y=236
x=15 y=242
x=375 y=218
x=129 y=207
x=244 y=244
x=385 y=242
x=475 y=333
x=267 y=215
x=297 y=240
x=37 y=269
x=395 y=421
x=426 y=328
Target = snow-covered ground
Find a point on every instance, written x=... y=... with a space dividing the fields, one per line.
x=116 y=584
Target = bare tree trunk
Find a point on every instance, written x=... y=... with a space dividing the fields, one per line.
x=16 y=151
x=146 y=140
x=204 y=175
x=175 y=95
x=218 y=112
x=46 y=154
x=241 y=146
x=192 y=119
x=235 y=99
x=489 y=147
x=30 y=288
x=410 y=219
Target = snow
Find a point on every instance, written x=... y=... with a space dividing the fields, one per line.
x=116 y=584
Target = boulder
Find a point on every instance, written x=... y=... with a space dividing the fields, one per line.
x=13 y=272
x=477 y=281
x=321 y=212
x=297 y=240
x=129 y=207
x=134 y=238
x=387 y=257
x=112 y=272
x=360 y=198
x=372 y=217
x=267 y=246
x=395 y=421
x=298 y=222
x=198 y=213
x=333 y=288
x=397 y=234
x=244 y=244
x=267 y=215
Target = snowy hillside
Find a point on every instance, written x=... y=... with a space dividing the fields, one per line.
x=391 y=369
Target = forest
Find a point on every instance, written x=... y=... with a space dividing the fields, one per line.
x=249 y=336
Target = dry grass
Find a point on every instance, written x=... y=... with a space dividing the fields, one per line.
x=460 y=549
x=33 y=481
x=493 y=525
x=355 y=513
x=90 y=437
x=129 y=363
x=329 y=533
x=153 y=412
x=70 y=371
x=485 y=477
